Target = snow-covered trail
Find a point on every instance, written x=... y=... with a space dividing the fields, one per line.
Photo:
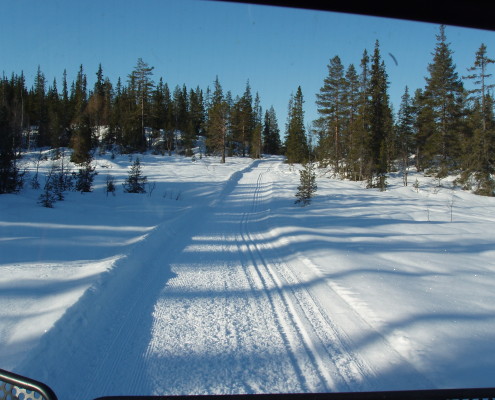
x=211 y=303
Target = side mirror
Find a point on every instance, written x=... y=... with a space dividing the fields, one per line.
x=17 y=387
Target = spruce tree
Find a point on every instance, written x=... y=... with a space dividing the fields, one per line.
x=380 y=121
x=135 y=182
x=352 y=140
x=405 y=132
x=307 y=186
x=271 y=133
x=443 y=94
x=256 y=143
x=330 y=106
x=85 y=177
x=479 y=160
x=218 y=123
x=296 y=145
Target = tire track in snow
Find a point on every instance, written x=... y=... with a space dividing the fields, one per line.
x=292 y=307
x=214 y=329
x=99 y=346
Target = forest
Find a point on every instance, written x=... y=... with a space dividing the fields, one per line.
x=441 y=129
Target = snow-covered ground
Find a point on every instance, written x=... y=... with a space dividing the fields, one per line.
x=215 y=282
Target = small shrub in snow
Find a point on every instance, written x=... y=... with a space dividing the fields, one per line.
x=307 y=187
x=135 y=182
x=48 y=197
x=85 y=178
x=110 y=188
x=416 y=185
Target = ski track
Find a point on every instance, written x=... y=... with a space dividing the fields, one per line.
x=209 y=303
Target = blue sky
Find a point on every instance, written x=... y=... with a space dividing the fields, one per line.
x=191 y=42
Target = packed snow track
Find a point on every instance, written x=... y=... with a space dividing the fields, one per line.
x=213 y=302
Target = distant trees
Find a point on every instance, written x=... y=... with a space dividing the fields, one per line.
x=439 y=129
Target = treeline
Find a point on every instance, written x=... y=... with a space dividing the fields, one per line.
x=440 y=129
x=132 y=116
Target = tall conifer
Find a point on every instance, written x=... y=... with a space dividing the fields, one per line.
x=296 y=144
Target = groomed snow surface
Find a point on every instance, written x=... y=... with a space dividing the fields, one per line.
x=214 y=282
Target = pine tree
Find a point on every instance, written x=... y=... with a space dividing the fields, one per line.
x=140 y=88
x=296 y=144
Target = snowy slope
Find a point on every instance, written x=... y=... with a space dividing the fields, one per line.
x=216 y=283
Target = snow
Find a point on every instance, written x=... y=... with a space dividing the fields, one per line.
x=215 y=282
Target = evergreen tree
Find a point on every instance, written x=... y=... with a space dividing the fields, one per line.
x=38 y=108
x=85 y=178
x=9 y=174
x=362 y=166
x=99 y=104
x=330 y=106
x=65 y=116
x=296 y=144
x=479 y=160
x=196 y=118
x=424 y=124
x=405 y=132
x=307 y=186
x=82 y=133
x=55 y=131
x=218 y=122
x=271 y=133
x=380 y=121
x=352 y=140
x=135 y=182
x=140 y=88
x=256 y=145
x=243 y=119
x=479 y=77
x=443 y=94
